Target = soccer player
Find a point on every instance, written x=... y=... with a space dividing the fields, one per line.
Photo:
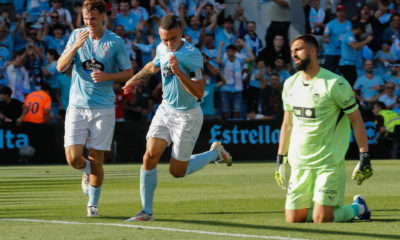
x=99 y=58
x=179 y=117
x=319 y=107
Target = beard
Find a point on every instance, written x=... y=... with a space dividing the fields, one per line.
x=303 y=64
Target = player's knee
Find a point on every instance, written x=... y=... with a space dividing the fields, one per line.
x=75 y=161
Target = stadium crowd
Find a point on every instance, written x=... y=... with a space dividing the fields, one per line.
x=244 y=74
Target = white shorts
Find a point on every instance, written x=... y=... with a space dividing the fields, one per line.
x=94 y=126
x=180 y=127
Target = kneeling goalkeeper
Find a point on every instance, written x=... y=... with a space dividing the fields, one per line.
x=319 y=107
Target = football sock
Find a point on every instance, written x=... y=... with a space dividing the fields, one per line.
x=345 y=213
x=309 y=215
x=87 y=169
x=94 y=195
x=198 y=161
x=148 y=183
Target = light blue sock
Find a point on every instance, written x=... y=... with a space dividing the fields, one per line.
x=198 y=161
x=94 y=195
x=148 y=184
x=87 y=169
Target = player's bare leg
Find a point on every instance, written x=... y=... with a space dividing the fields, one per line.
x=296 y=216
x=75 y=158
x=322 y=213
x=178 y=168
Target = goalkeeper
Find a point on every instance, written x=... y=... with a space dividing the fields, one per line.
x=319 y=107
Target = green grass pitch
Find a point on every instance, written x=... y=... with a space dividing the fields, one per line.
x=239 y=202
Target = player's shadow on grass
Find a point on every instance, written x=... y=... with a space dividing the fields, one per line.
x=290 y=227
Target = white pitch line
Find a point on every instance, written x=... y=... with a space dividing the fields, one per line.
x=153 y=228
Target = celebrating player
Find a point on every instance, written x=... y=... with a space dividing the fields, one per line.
x=319 y=107
x=98 y=54
x=179 y=117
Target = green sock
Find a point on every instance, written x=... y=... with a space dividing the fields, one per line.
x=309 y=215
x=345 y=213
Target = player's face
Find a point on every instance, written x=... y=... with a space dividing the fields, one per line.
x=300 y=54
x=93 y=19
x=171 y=38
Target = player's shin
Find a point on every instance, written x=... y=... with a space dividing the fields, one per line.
x=345 y=213
x=148 y=184
x=198 y=161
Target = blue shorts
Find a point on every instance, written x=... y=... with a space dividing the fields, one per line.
x=231 y=100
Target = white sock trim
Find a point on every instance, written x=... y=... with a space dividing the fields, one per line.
x=361 y=210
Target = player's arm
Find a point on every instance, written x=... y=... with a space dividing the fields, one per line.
x=66 y=59
x=148 y=70
x=359 y=45
x=122 y=76
x=281 y=158
x=194 y=86
x=363 y=170
x=24 y=112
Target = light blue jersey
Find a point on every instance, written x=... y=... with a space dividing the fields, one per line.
x=191 y=64
x=336 y=31
x=348 y=56
x=109 y=57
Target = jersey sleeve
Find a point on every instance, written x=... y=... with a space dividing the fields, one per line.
x=71 y=41
x=286 y=105
x=156 y=60
x=343 y=95
x=122 y=55
x=195 y=66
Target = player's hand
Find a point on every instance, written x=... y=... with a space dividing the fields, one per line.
x=280 y=172
x=129 y=85
x=81 y=38
x=363 y=170
x=173 y=63
x=98 y=76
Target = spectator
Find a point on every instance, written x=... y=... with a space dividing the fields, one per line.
x=37 y=106
x=77 y=19
x=18 y=76
x=394 y=75
x=231 y=92
x=139 y=107
x=386 y=120
x=349 y=48
x=388 y=97
x=209 y=58
x=56 y=40
x=279 y=14
x=270 y=106
x=36 y=9
x=225 y=34
x=65 y=15
x=10 y=108
x=280 y=70
x=6 y=38
x=63 y=85
x=129 y=20
x=50 y=71
x=333 y=35
x=258 y=75
x=9 y=7
x=243 y=53
x=239 y=20
x=192 y=29
x=33 y=63
x=392 y=32
x=120 y=101
x=208 y=103
x=371 y=26
x=271 y=52
x=382 y=16
x=384 y=58
x=5 y=57
x=120 y=31
x=251 y=39
x=367 y=87
x=139 y=11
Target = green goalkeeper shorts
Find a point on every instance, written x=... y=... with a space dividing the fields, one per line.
x=324 y=186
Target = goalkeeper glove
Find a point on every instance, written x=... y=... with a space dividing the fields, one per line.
x=363 y=169
x=280 y=173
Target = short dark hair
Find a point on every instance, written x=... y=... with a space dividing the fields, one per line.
x=380 y=104
x=45 y=87
x=6 y=91
x=53 y=52
x=274 y=74
x=231 y=47
x=169 y=22
x=309 y=39
x=91 y=5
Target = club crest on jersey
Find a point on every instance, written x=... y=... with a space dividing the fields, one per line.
x=316 y=97
x=167 y=71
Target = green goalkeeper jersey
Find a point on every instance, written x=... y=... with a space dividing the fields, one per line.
x=321 y=129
